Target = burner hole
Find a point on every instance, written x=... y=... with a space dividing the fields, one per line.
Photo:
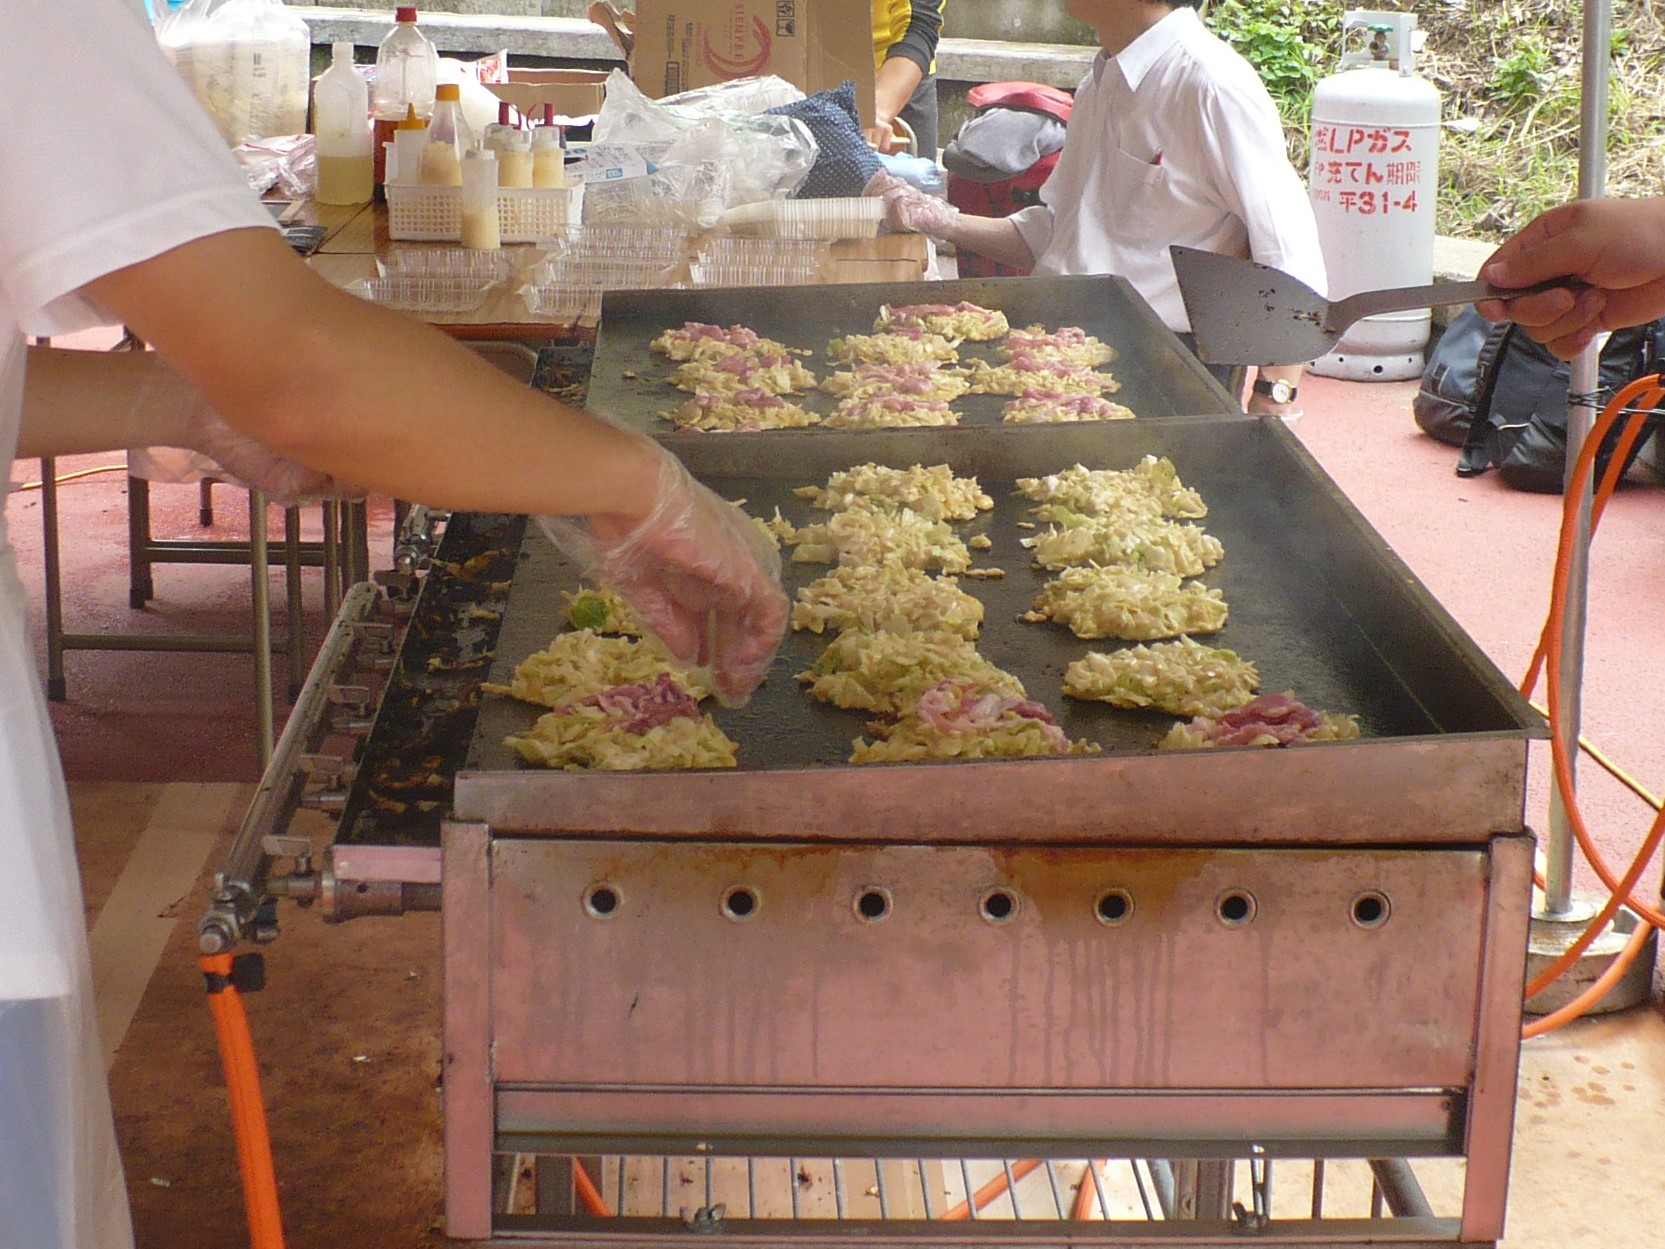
x=362 y=887
x=1371 y=909
x=1114 y=906
x=999 y=905
x=601 y=901
x=1236 y=907
x=741 y=902
x=873 y=903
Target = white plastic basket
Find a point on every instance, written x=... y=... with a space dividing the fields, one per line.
x=434 y=213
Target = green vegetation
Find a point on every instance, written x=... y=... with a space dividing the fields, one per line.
x=1508 y=72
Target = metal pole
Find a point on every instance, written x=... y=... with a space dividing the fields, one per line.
x=1592 y=184
x=260 y=585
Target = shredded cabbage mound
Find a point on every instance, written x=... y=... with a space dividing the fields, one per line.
x=1098 y=492
x=956 y=720
x=962 y=320
x=777 y=374
x=933 y=492
x=582 y=663
x=923 y=379
x=1183 y=678
x=897 y=347
x=1144 y=542
x=1070 y=344
x=867 y=534
x=741 y=410
x=887 y=672
x=652 y=724
x=1027 y=372
x=601 y=611
x=697 y=340
x=886 y=598
x=1270 y=720
x=890 y=412
x=1049 y=407
x=1127 y=603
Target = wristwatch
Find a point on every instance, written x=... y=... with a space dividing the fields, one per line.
x=1278 y=391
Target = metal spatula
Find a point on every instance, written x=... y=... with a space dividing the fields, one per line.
x=1247 y=313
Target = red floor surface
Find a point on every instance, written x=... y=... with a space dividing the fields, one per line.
x=1484 y=551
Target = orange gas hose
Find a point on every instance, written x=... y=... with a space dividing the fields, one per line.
x=248 y=1111
x=1598 y=988
x=589 y=1196
x=1087 y=1192
x=991 y=1190
x=1644 y=393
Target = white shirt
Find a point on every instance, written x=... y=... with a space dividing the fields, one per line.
x=102 y=164
x=1172 y=140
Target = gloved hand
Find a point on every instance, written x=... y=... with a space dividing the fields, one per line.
x=701 y=573
x=249 y=464
x=910 y=210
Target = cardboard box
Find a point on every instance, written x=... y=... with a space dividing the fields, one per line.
x=813 y=44
x=573 y=92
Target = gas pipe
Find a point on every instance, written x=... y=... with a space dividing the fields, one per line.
x=1373 y=181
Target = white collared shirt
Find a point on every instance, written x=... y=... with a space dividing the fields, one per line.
x=1173 y=140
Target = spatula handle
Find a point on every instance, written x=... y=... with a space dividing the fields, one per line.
x=1405 y=298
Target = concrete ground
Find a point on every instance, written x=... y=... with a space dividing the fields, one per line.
x=159 y=754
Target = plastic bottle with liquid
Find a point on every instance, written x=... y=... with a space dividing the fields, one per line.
x=407 y=71
x=549 y=157
x=481 y=227
x=341 y=122
x=449 y=137
x=409 y=138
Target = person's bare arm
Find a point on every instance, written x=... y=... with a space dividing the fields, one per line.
x=1616 y=245
x=365 y=394
x=76 y=402
x=897 y=80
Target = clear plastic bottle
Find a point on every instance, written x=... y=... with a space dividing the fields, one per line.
x=481 y=227
x=407 y=70
x=341 y=121
x=448 y=138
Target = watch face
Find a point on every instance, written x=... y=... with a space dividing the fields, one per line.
x=1278 y=391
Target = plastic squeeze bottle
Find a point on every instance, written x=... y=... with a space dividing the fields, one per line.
x=341 y=122
x=409 y=137
x=448 y=138
x=407 y=68
x=481 y=228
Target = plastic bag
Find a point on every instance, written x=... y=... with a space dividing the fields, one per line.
x=738 y=95
x=287 y=162
x=756 y=156
x=248 y=62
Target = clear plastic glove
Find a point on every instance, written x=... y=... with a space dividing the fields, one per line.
x=910 y=210
x=249 y=464
x=701 y=573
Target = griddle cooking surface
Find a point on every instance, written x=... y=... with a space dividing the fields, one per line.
x=1158 y=376
x=1312 y=604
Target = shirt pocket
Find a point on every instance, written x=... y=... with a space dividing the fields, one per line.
x=1138 y=198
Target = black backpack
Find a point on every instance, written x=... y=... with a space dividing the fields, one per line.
x=1502 y=398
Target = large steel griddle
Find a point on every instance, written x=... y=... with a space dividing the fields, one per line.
x=1317 y=601
x=1158 y=376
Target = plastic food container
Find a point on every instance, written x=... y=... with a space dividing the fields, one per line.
x=855 y=218
x=752 y=273
x=564 y=305
x=445 y=262
x=619 y=242
x=424 y=294
x=732 y=250
x=603 y=272
x=524 y=215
